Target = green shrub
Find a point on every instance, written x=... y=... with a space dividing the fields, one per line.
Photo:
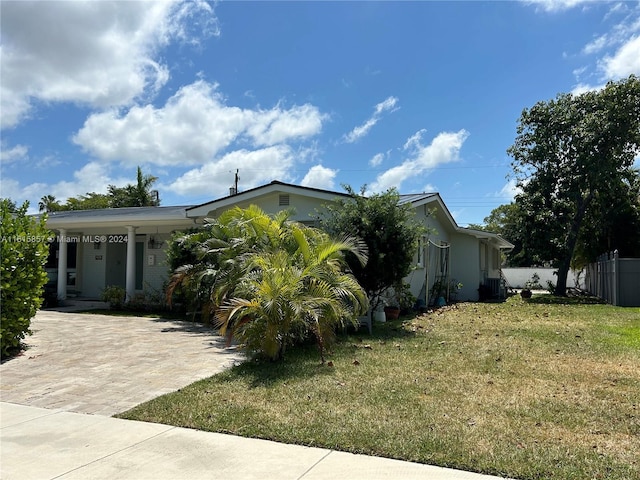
x=25 y=248
x=114 y=296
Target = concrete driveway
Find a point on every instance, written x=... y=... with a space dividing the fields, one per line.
x=103 y=364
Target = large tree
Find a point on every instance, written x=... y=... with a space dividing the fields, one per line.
x=572 y=157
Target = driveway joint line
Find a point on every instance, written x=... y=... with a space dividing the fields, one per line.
x=304 y=474
x=128 y=447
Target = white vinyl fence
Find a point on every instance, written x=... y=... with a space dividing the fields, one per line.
x=518 y=277
x=615 y=280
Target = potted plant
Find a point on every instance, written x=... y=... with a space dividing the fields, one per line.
x=391 y=312
x=534 y=282
x=525 y=292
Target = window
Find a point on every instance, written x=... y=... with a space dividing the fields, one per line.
x=421 y=243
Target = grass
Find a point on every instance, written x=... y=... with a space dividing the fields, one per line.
x=529 y=390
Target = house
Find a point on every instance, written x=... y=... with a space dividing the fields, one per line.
x=127 y=246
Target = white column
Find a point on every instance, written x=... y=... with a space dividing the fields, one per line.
x=62 y=264
x=131 y=263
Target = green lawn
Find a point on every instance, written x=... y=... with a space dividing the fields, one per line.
x=531 y=390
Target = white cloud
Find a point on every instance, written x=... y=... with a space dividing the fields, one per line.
x=618 y=51
x=193 y=127
x=320 y=177
x=17 y=152
x=444 y=148
x=387 y=105
x=509 y=190
x=596 y=45
x=276 y=126
x=581 y=88
x=625 y=61
x=96 y=53
x=92 y=177
x=557 y=5
x=256 y=167
x=376 y=160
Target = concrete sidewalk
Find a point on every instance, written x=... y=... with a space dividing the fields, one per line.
x=41 y=444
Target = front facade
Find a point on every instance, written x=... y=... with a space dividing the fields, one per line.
x=127 y=246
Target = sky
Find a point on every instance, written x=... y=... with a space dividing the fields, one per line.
x=421 y=96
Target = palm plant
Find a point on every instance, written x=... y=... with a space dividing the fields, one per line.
x=287 y=295
x=272 y=282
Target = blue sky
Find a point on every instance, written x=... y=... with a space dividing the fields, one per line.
x=423 y=96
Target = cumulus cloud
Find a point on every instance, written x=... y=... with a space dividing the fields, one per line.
x=96 y=53
x=624 y=62
x=256 y=167
x=444 y=148
x=9 y=155
x=617 y=51
x=192 y=127
x=387 y=105
x=92 y=177
x=320 y=177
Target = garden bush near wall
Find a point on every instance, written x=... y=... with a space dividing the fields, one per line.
x=25 y=247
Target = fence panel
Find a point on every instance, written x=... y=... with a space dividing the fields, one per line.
x=615 y=280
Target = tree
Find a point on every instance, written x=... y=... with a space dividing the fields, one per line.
x=24 y=249
x=507 y=220
x=9 y=204
x=138 y=195
x=89 y=201
x=571 y=157
x=386 y=227
x=48 y=203
x=269 y=281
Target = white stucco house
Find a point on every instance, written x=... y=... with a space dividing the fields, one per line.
x=126 y=246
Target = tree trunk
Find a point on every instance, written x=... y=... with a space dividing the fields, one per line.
x=572 y=238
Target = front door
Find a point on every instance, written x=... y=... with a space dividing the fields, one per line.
x=116 y=267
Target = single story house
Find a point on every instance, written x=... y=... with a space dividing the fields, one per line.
x=93 y=249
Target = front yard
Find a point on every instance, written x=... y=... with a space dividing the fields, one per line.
x=530 y=390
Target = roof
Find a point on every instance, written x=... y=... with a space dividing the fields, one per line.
x=415 y=197
x=275 y=186
x=186 y=214
x=117 y=216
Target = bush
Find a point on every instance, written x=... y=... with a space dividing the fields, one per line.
x=114 y=296
x=25 y=248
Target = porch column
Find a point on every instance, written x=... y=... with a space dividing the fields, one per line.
x=131 y=263
x=62 y=264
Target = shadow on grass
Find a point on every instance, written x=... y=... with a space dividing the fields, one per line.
x=303 y=361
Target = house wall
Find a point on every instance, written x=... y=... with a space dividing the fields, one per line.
x=156 y=269
x=424 y=273
x=99 y=265
x=304 y=207
x=465 y=265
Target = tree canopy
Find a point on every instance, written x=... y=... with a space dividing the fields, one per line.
x=139 y=194
x=573 y=160
x=388 y=229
